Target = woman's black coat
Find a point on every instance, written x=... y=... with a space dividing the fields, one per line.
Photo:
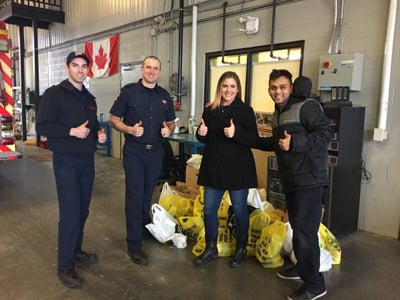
x=228 y=163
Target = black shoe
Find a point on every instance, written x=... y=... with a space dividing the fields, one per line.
x=208 y=255
x=69 y=278
x=138 y=256
x=238 y=257
x=289 y=274
x=86 y=258
x=303 y=294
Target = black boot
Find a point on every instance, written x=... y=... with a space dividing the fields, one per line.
x=210 y=253
x=240 y=253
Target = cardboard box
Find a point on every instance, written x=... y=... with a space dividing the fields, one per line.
x=191 y=177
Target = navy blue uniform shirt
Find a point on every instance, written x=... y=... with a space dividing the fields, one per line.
x=136 y=103
x=63 y=107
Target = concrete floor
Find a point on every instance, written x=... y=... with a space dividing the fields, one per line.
x=28 y=239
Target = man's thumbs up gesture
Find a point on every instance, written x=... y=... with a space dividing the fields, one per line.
x=81 y=132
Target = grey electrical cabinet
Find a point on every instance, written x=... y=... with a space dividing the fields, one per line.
x=343 y=70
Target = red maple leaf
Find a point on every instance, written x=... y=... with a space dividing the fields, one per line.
x=101 y=58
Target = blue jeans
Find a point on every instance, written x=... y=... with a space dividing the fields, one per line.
x=212 y=201
x=304 y=210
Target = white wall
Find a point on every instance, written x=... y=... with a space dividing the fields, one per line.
x=310 y=20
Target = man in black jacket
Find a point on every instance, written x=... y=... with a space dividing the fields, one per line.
x=67 y=116
x=301 y=133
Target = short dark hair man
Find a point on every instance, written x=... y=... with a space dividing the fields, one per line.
x=301 y=133
x=67 y=116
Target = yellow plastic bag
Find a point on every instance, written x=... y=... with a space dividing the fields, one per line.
x=226 y=242
x=330 y=243
x=177 y=205
x=258 y=220
x=198 y=204
x=193 y=224
x=200 y=245
x=198 y=207
x=269 y=245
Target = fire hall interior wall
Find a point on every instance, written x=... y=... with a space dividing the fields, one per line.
x=363 y=31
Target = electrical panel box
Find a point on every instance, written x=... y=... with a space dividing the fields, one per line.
x=340 y=70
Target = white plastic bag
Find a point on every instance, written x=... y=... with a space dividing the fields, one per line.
x=180 y=240
x=194 y=161
x=254 y=198
x=325 y=259
x=287 y=246
x=325 y=263
x=166 y=191
x=163 y=226
x=158 y=235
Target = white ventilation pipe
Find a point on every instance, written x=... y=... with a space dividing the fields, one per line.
x=380 y=133
x=194 y=65
x=335 y=43
x=334 y=31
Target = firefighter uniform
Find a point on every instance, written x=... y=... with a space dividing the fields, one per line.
x=64 y=107
x=142 y=156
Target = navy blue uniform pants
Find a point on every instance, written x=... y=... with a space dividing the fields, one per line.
x=142 y=169
x=304 y=209
x=74 y=174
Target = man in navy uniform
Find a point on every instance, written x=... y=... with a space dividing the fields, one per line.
x=144 y=112
x=67 y=116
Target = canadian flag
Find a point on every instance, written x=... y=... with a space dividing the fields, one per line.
x=103 y=55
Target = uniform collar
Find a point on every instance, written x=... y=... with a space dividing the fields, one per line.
x=71 y=88
x=144 y=88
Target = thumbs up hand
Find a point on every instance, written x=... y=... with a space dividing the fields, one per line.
x=81 y=132
x=284 y=143
x=165 y=132
x=203 y=129
x=137 y=129
x=101 y=136
x=230 y=131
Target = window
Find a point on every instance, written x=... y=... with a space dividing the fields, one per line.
x=253 y=66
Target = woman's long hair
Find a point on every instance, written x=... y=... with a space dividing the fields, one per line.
x=217 y=98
